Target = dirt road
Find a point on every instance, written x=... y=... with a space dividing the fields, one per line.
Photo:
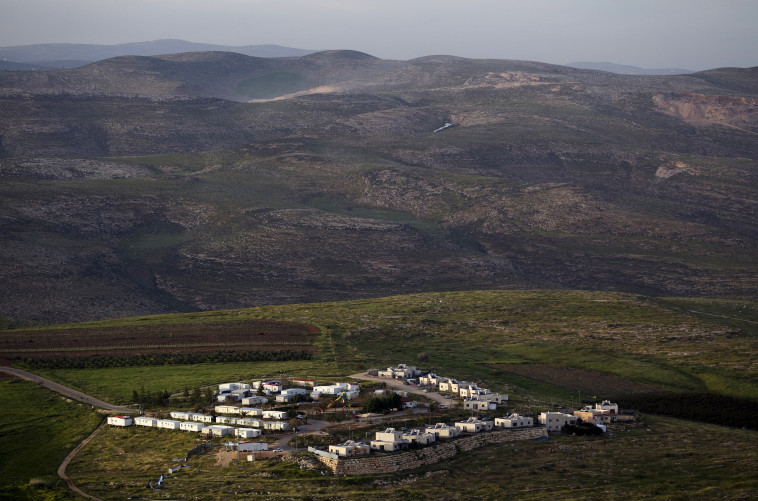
x=399 y=385
x=64 y=464
x=66 y=391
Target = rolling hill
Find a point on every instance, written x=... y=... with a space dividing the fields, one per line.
x=209 y=180
x=67 y=55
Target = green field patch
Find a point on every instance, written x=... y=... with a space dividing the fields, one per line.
x=38 y=428
x=115 y=384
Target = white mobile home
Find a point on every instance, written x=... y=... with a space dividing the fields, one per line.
x=218 y=430
x=146 y=421
x=168 y=424
x=254 y=400
x=256 y=423
x=120 y=421
x=227 y=409
x=233 y=386
x=247 y=433
x=181 y=415
x=272 y=386
x=191 y=426
x=201 y=418
x=252 y=446
x=274 y=415
x=276 y=425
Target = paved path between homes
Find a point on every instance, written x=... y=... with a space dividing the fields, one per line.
x=66 y=391
x=410 y=388
x=313 y=427
x=71 y=455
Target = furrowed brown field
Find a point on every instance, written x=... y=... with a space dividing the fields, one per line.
x=124 y=341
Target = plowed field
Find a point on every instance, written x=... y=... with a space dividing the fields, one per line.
x=181 y=338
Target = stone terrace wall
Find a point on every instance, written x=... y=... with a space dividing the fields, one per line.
x=428 y=455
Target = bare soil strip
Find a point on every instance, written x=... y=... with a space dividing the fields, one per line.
x=71 y=455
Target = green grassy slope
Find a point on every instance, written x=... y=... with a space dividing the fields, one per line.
x=540 y=347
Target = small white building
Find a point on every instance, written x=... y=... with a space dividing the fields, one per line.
x=169 y=424
x=254 y=400
x=303 y=382
x=472 y=425
x=607 y=405
x=276 y=425
x=285 y=398
x=418 y=436
x=388 y=440
x=271 y=414
x=272 y=386
x=233 y=386
x=251 y=411
x=226 y=420
x=247 y=433
x=191 y=426
x=487 y=396
x=442 y=430
x=120 y=421
x=181 y=415
x=478 y=405
x=201 y=418
x=294 y=391
x=146 y=421
x=254 y=422
x=331 y=389
x=227 y=409
x=252 y=446
x=595 y=416
x=402 y=371
x=514 y=421
x=468 y=390
x=350 y=449
x=447 y=384
x=430 y=379
x=554 y=421
x=218 y=430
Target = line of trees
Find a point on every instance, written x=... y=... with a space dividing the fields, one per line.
x=102 y=361
x=381 y=404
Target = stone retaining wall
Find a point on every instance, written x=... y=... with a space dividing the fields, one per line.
x=389 y=463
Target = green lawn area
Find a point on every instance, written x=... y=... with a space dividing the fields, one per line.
x=38 y=429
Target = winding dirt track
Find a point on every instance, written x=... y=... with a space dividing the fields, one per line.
x=71 y=455
x=76 y=395
x=66 y=391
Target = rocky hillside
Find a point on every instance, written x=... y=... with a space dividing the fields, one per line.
x=213 y=180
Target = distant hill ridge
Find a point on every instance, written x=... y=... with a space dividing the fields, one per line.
x=60 y=55
x=623 y=69
x=210 y=180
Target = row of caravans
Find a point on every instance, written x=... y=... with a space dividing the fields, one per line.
x=220 y=429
